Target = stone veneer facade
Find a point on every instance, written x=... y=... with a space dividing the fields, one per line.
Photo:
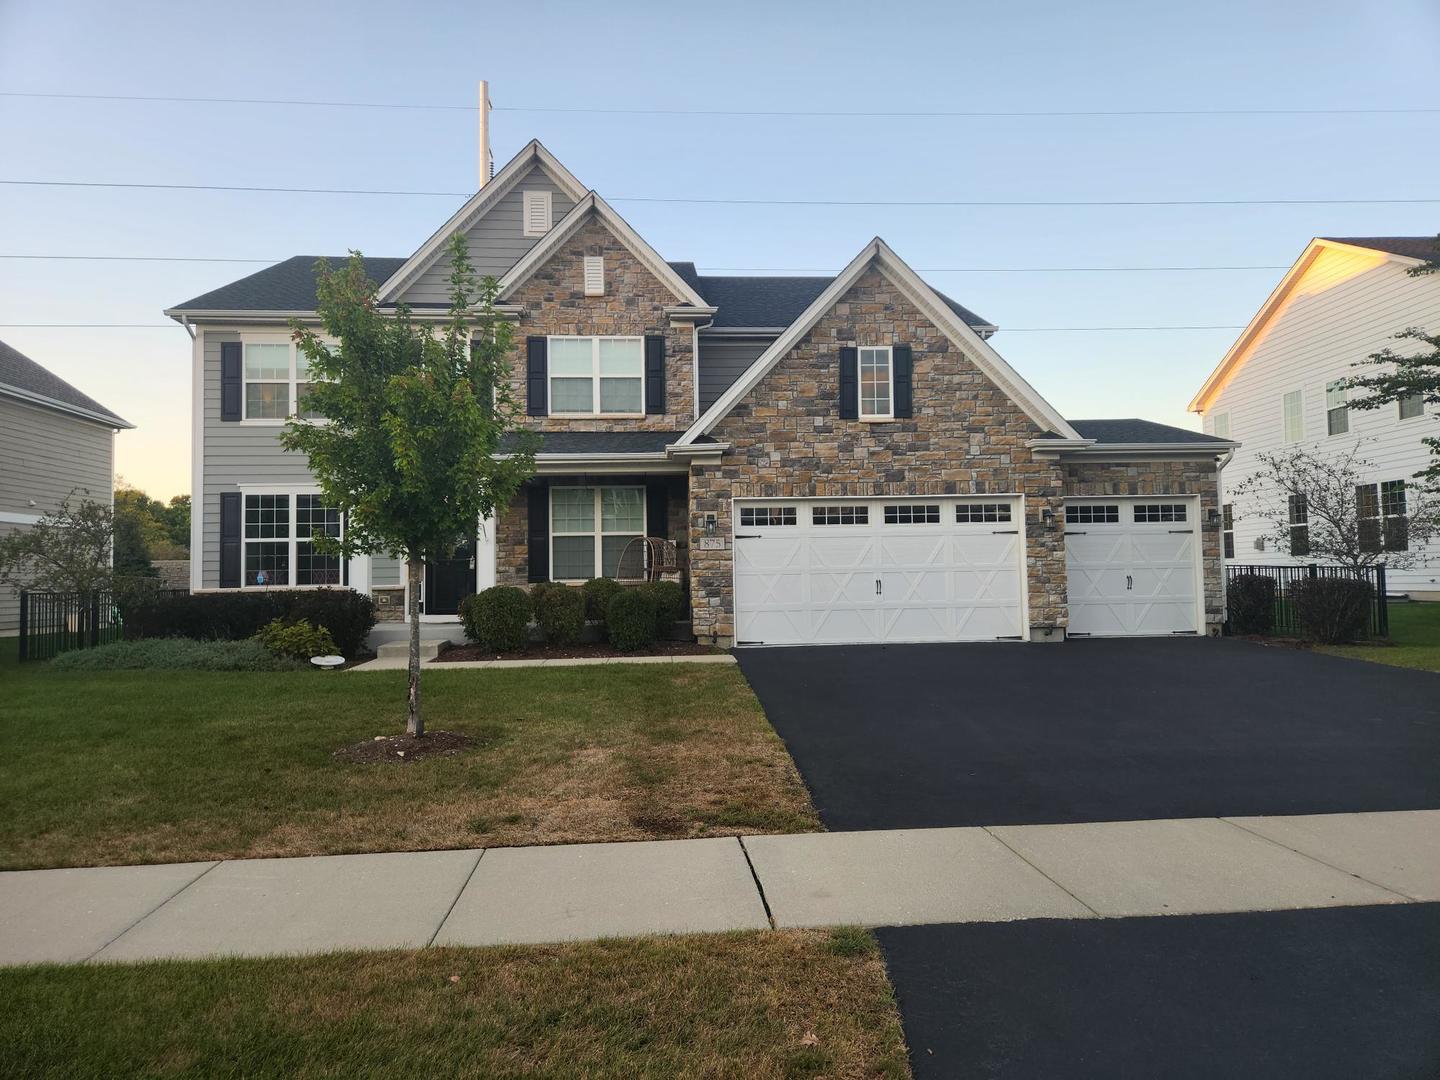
x=554 y=303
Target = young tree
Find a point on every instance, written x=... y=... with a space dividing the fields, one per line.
x=1321 y=507
x=409 y=444
x=1407 y=373
x=67 y=550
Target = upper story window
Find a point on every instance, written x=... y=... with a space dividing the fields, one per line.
x=1293 y=411
x=1337 y=413
x=535 y=212
x=877 y=383
x=276 y=380
x=1411 y=406
x=597 y=376
x=1221 y=425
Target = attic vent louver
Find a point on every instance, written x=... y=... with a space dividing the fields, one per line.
x=536 y=211
x=594 y=275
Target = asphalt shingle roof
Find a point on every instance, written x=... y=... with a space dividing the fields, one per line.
x=20 y=372
x=1412 y=247
x=286 y=286
x=603 y=442
x=776 y=301
x=1131 y=430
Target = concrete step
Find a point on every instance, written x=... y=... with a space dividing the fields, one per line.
x=399 y=650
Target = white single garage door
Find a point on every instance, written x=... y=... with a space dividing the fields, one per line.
x=1133 y=566
x=841 y=571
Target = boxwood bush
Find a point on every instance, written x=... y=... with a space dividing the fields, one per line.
x=630 y=620
x=598 y=594
x=498 y=618
x=1250 y=603
x=237 y=615
x=298 y=640
x=669 y=600
x=175 y=654
x=1332 y=610
x=560 y=611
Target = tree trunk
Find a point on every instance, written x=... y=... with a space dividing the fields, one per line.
x=413 y=724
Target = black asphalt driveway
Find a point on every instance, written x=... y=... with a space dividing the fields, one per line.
x=990 y=734
x=1338 y=993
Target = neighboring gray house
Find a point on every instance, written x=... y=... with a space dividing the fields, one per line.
x=53 y=440
x=836 y=459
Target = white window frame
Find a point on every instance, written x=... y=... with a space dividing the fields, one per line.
x=1220 y=426
x=1400 y=416
x=293 y=382
x=292 y=540
x=889 y=351
x=594 y=376
x=599 y=519
x=1298 y=396
x=531 y=198
x=1335 y=400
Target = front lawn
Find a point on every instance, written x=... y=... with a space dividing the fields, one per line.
x=1414 y=637
x=162 y=766
x=762 y=1004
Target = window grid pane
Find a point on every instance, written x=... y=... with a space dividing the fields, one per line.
x=622 y=510
x=572 y=395
x=913 y=514
x=265 y=360
x=982 y=512
x=840 y=515
x=1092 y=514
x=1411 y=405
x=623 y=357
x=267 y=517
x=267 y=563
x=1294 y=416
x=875 y=382
x=760 y=516
x=621 y=396
x=1160 y=512
x=267 y=401
x=611 y=548
x=574 y=558
x=572 y=510
x=314 y=569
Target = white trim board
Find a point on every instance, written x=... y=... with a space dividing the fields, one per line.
x=975 y=348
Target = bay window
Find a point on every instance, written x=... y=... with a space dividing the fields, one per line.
x=597 y=376
x=590 y=528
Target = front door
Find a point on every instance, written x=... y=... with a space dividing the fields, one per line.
x=448 y=581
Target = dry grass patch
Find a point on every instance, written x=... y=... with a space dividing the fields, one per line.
x=120 y=767
x=758 y=1005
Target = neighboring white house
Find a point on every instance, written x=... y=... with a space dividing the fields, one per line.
x=1344 y=299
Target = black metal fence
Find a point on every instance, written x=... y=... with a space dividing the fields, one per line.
x=1285 y=577
x=56 y=622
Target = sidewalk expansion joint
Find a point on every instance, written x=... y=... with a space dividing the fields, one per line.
x=459 y=893
x=1042 y=873
x=759 y=887
x=153 y=910
x=1306 y=855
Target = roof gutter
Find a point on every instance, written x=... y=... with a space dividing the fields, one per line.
x=109 y=420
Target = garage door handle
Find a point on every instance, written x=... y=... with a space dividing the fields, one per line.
x=1005 y=532
x=877 y=586
x=1187 y=532
x=1076 y=532
x=748 y=536
x=1129 y=582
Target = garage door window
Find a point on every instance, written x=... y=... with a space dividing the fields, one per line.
x=981 y=512
x=1160 y=512
x=840 y=515
x=1092 y=514
x=913 y=514
x=758 y=517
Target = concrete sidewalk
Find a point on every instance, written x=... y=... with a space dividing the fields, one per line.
x=258 y=907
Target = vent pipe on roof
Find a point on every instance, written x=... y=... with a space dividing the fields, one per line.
x=487 y=161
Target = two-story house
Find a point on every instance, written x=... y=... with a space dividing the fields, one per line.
x=839 y=459
x=1281 y=385
x=55 y=443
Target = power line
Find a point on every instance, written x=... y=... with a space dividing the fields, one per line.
x=743 y=202
x=1003 y=330
x=711 y=269
x=881 y=114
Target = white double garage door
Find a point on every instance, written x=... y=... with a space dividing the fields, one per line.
x=849 y=571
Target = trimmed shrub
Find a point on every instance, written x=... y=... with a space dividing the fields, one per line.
x=560 y=611
x=298 y=640
x=498 y=618
x=599 y=591
x=630 y=620
x=175 y=654
x=237 y=615
x=540 y=588
x=669 y=600
x=1332 y=610
x=1250 y=603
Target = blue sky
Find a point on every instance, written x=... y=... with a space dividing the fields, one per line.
x=1040 y=55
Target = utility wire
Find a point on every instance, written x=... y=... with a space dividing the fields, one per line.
x=712 y=269
x=744 y=202
x=1003 y=330
x=882 y=114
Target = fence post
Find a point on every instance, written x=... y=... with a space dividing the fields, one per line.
x=24 y=625
x=94 y=618
x=1382 y=610
x=1314 y=569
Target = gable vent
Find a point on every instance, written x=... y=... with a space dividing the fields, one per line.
x=536 y=213
x=594 y=275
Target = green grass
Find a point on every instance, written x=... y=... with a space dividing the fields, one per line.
x=1414 y=640
x=759 y=1005
x=125 y=767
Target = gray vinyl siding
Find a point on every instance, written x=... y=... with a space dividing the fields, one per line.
x=723 y=360
x=236 y=455
x=497 y=240
x=44 y=456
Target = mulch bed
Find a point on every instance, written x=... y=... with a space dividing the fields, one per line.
x=404 y=748
x=579 y=651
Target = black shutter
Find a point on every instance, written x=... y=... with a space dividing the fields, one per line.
x=849 y=384
x=536 y=363
x=231 y=386
x=485 y=383
x=230 y=522
x=904 y=375
x=657 y=508
x=538 y=529
x=654 y=374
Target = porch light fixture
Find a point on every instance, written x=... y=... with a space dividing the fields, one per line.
x=710 y=524
x=1047 y=517
x=1212 y=518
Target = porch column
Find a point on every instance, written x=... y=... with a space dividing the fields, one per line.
x=485 y=555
